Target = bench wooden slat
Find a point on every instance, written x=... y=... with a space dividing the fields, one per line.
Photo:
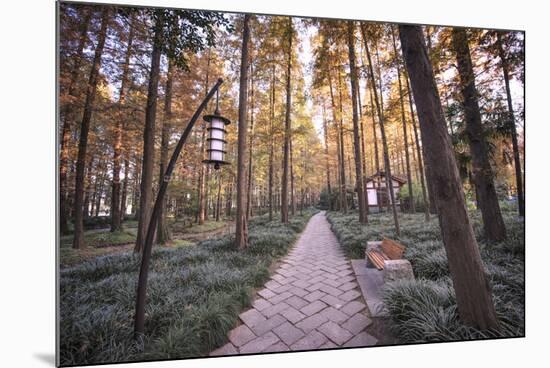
x=377 y=258
x=392 y=249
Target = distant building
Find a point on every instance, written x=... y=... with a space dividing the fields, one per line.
x=376 y=189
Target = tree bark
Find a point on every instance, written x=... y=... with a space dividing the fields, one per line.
x=389 y=180
x=116 y=224
x=418 y=154
x=163 y=233
x=404 y=122
x=271 y=143
x=146 y=187
x=341 y=146
x=356 y=137
x=66 y=130
x=241 y=233
x=203 y=170
x=78 y=240
x=473 y=295
x=481 y=167
x=342 y=177
x=286 y=147
x=251 y=143
x=327 y=165
x=515 y=146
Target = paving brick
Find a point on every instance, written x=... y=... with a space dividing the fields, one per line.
x=296 y=302
x=288 y=333
x=353 y=307
x=260 y=344
x=301 y=283
x=310 y=323
x=333 y=283
x=334 y=315
x=348 y=286
x=315 y=295
x=333 y=301
x=298 y=291
x=288 y=280
x=363 y=339
x=292 y=315
x=344 y=273
x=311 y=341
x=357 y=323
x=315 y=286
x=280 y=297
x=252 y=317
x=313 y=308
x=335 y=333
x=272 y=285
x=268 y=325
x=328 y=345
x=277 y=347
x=241 y=335
x=283 y=288
x=331 y=290
x=261 y=304
x=274 y=309
x=266 y=293
x=227 y=349
x=350 y=295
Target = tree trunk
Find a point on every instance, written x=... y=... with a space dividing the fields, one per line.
x=203 y=170
x=251 y=142
x=241 y=233
x=116 y=224
x=292 y=197
x=146 y=188
x=163 y=233
x=404 y=122
x=481 y=167
x=325 y=133
x=418 y=154
x=124 y=195
x=389 y=180
x=473 y=294
x=78 y=240
x=341 y=146
x=515 y=147
x=286 y=147
x=271 y=143
x=356 y=137
x=66 y=130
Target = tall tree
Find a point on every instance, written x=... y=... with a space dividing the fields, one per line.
x=473 y=295
x=146 y=187
x=403 y=121
x=517 y=162
x=481 y=167
x=163 y=233
x=356 y=136
x=78 y=240
x=241 y=231
x=116 y=219
x=286 y=147
x=378 y=104
x=68 y=121
x=420 y=159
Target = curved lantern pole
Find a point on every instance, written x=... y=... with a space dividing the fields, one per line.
x=139 y=321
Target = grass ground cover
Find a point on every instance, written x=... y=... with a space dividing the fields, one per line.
x=195 y=294
x=425 y=309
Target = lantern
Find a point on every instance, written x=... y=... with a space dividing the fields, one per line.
x=216 y=138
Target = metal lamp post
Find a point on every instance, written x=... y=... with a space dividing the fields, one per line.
x=216 y=156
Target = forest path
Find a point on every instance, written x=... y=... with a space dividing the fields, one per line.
x=312 y=301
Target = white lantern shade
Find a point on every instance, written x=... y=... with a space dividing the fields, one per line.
x=216 y=139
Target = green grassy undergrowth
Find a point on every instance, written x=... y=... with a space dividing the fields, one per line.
x=425 y=309
x=195 y=294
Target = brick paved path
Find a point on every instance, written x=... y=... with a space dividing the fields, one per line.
x=311 y=302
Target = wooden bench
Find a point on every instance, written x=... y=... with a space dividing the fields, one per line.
x=389 y=250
